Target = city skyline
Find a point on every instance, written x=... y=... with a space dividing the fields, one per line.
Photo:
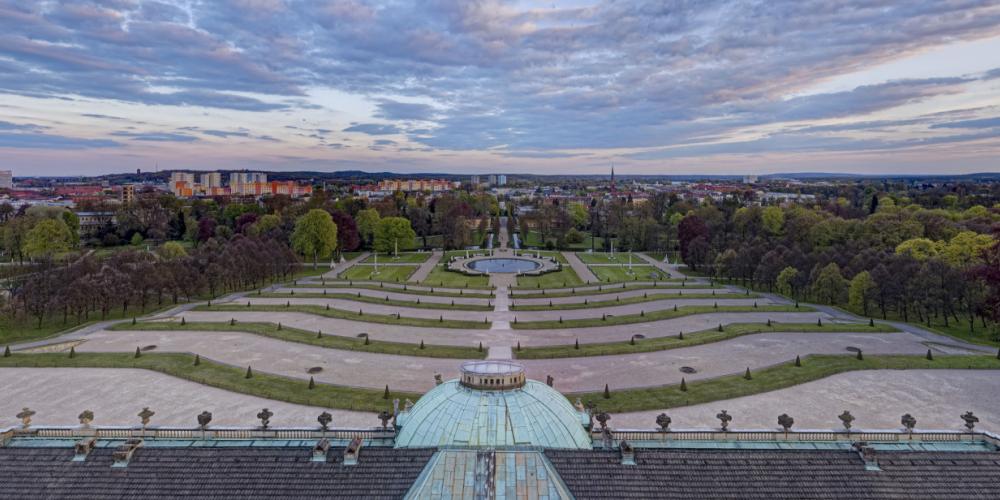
x=517 y=87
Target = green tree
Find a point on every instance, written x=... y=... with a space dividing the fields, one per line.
x=579 y=214
x=315 y=234
x=830 y=285
x=172 y=250
x=786 y=280
x=266 y=223
x=773 y=219
x=391 y=233
x=48 y=237
x=861 y=292
x=367 y=221
x=136 y=239
x=919 y=248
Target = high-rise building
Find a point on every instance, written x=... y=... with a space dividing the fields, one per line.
x=246 y=182
x=128 y=194
x=182 y=183
x=474 y=181
x=6 y=179
x=211 y=180
x=492 y=179
x=501 y=180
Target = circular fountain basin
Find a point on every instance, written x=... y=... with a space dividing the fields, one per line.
x=499 y=265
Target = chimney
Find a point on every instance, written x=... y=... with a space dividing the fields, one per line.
x=82 y=448
x=628 y=453
x=124 y=452
x=320 y=450
x=867 y=454
x=352 y=452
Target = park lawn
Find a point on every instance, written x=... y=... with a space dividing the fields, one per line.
x=404 y=258
x=988 y=336
x=562 y=278
x=814 y=367
x=375 y=300
x=611 y=274
x=587 y=304
x=534 y=239
x=351 y=315
x=650 y=316
x=729 y=331
x=221 y=376
x=476 y=293
x=26 y=329
x=327 y=340
x=542 y=253
x=396 y=274
x=451 y=279
x=605 y=258
x=667 y=285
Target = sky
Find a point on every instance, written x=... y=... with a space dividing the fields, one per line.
x=481 y=86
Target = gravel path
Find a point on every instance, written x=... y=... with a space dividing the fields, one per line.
x=426 y=267
x=580 y=268
x=876 y=398
x=117 y=395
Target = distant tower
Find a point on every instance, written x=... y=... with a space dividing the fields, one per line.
x=614 y=189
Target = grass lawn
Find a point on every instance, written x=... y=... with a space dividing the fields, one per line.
x=404 y=258
x=569 y=292
x=351 y=315
x=461 y=293
x=450 y=279
x=230 y=378
x=650 y=316
x=690 y=339
x=775 y=377
x=605 y=258
x=396 y=274
x=658 y=256
x=562 y=278
x=23 y=330
x=960 y=330
x=587 y=304
x=376 y=300
x=618 y=274
x=327 y=340
x=534 y=239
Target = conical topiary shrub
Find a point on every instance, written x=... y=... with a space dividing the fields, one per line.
x=312 y=383
x=137 y=352
x=385 y=395
x=930 y=356
x=798 y=362
x=249 y=372
x=684 y=385
x=607 y=392
x=197 y=360
x=72 y=352
x=746 y=375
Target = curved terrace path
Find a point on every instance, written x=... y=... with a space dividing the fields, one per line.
x=454 y=314
x=116 y=395
x=471 y=337
x=372 y=370
x=876 y=398
x=402 y=296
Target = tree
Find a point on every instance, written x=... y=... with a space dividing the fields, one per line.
x=773 y=220
x=690 y=228
x=861 y=292
x=578 y=214
x=829 y=285
x=172 y=250
x=786 y=280
x=48 y=237
x=391 y=233
x=315 y=234
x=366 y=221
x=348 y=239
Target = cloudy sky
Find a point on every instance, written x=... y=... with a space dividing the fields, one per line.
x=467 y=86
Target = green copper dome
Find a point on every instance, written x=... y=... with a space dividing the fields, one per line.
x=467 y=413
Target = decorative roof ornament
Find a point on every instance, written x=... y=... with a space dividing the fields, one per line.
x=663 y=420
x=724 y=418
x=846 y=419
x=384 y=416
x=204 y=418
x=25 y=415
x=86 y=417
x=265 y=417
x=908 y=422
x=602 y=418
x=145 y=415
x=324 y=420
x=786 y=422
x=970 y=420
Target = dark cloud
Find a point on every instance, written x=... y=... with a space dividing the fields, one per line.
x=47 y=141
x=394 y=110
x=373 y=129
x=155 y=136
x=993 y=122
